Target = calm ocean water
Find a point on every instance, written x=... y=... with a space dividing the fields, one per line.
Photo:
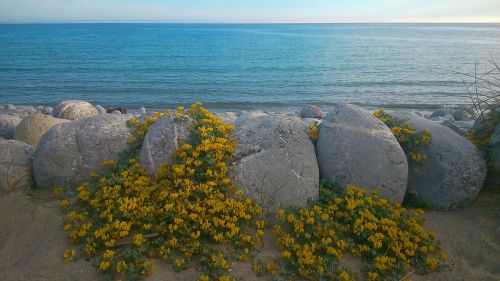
x=242 y=66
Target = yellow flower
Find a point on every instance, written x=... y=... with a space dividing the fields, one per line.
x=138 y=239
x=69 y=255
x=64 y=203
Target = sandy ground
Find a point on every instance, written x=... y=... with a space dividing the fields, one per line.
x=32 y=242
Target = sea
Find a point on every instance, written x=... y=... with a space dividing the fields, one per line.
x=244 y=66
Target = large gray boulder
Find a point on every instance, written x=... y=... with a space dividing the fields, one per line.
x=100 y=109
x=354 y=147
x=8 y=124
x=68 y=152
x=311 y=111
x=21 y=111
x=32 y=128
x=246 y=115
x=227 y=117
x=162 y=139
x=464 y=114
x=453 y=172
x=441 y=112
x=15 y=166
x=74 y=109
x=275 y=161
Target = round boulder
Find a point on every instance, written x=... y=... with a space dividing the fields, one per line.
x=100 y=109
x=227 y=117
x=311 y=111
x=276 y=162
x=32 y=128
x=68 y=152
x=246 y=115
x=15 y=166
x=74 y=109
x=8 y=124
x=443 y=112
x=453 y=172
x=162 y=139
x=354 y=147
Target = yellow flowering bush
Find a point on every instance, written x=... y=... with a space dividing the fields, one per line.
x=389 y=237
x=126 y=219
x=410 y=140
x=313 y=132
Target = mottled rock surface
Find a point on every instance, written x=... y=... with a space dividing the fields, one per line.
x=354 y=147
x=68 y=152
x=162 y=139
x=311 y=111
x=32 y=128
x=74 y=110
x=15 y=166
x=8 y=124
x=276 y=162
x=453 y=173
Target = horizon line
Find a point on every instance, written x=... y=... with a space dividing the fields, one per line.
x=228 y=22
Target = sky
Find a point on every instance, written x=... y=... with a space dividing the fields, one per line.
x=249 y=11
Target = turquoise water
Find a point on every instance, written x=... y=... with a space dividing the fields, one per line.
x=242 y=66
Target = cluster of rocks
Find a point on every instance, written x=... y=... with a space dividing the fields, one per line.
x=275 y=161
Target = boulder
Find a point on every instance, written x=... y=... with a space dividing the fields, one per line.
x=100 y=109
x=142 y=110
x=68 y=152
x=15 y=166
x=311 y=111
x=464 y=114
x=47 y=110
x=443 y=112
x=227 y=117
x=453 y=172
x=354 y=147
x=21 y=111
x=312 y=121
x=245 y=115
x=275 y=161
x=455 y=127
x=120 y=109
x=32 y=128
x=162 y=139
x=8 y=124
x=443 y=118
x=74 y=109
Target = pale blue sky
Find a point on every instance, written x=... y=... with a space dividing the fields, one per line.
x=250 y=11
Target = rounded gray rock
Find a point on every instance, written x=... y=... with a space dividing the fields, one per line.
x=354 y=147
x=246 y=115
x=453 y=172
x=100 y=109
x=74 y=110
x=8 y=124
x=443 y=112
x=47 y=110
x=311 y=111
x=162 y=139
x=68 y=152
x=276 y=162
x=32 y=128
x=227 y=117
x=15 y=166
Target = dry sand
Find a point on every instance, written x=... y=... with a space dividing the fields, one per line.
x=32 y=242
